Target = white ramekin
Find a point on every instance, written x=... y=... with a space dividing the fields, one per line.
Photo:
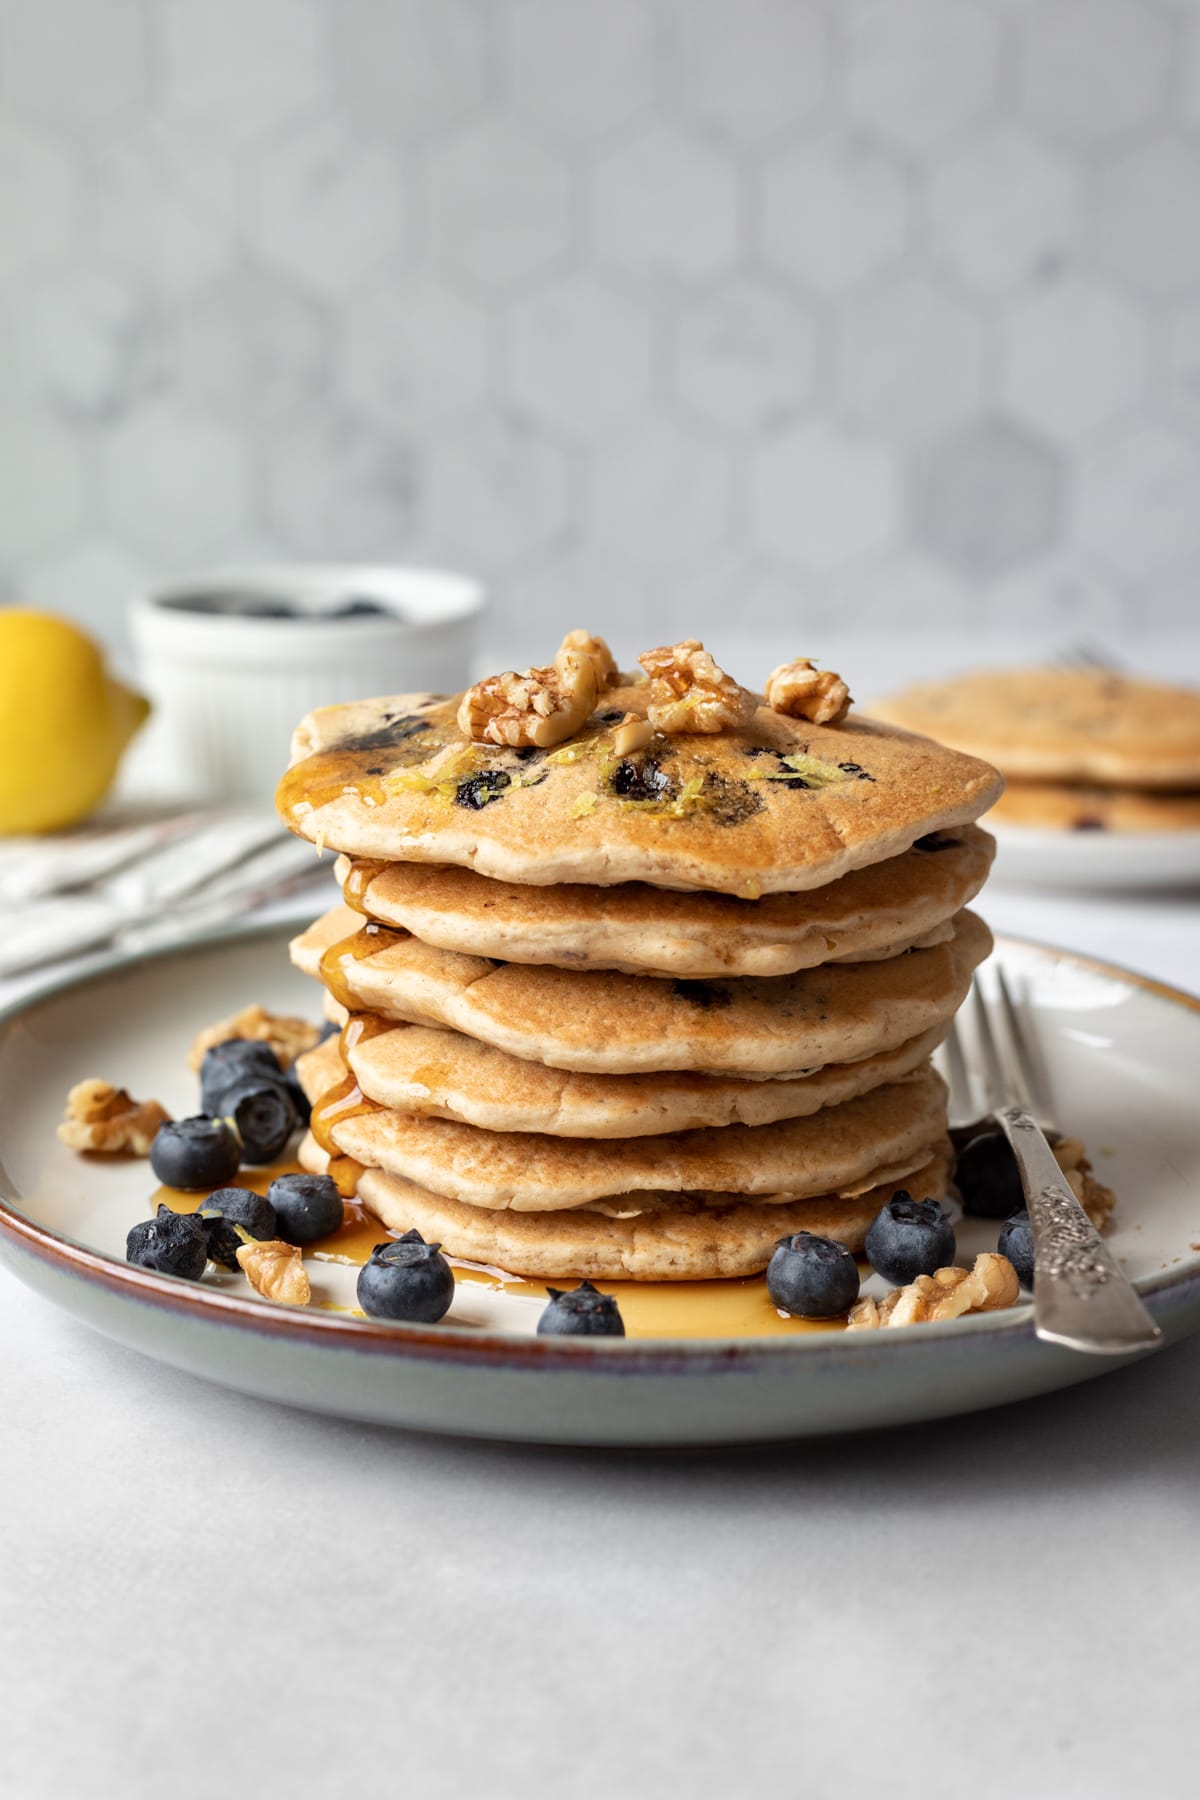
x=228 y=691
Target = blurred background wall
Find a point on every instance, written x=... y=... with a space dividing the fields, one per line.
x=885 y=311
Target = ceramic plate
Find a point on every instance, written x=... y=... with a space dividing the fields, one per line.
x=1122 y=1052
x=1095 y=859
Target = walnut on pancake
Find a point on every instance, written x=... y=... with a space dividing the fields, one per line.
x=802 y=691
x=689 y=691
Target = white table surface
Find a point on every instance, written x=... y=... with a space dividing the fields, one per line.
x=201 y=1593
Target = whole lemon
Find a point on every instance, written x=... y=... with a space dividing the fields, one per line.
x=64 y=721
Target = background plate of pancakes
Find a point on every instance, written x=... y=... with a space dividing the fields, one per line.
x=1102 y=770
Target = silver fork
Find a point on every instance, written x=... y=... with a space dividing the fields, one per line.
x=1081 y=1297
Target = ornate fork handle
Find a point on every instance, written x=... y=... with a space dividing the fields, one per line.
x=1081 y=1297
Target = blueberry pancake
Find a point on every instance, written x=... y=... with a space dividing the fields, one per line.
x=651 y=1237
x=778 y=804
x=443 y=1075
x=606 y=1023
x=1069 y=807
x=1063 y=725
x=640 y=929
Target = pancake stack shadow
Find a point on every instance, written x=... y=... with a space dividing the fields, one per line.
x=648 y=1079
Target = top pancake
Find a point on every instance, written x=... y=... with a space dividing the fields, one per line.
x=639 y=929
x=779 y=805
x=1062 y=724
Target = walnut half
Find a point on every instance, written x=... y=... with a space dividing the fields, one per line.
x=802 y=691
x=690 y=692
x=276 y=1270
x=989 y=1286
x=287 y=1035
x=541 y=707
x=598 y=653
x=106 y=1119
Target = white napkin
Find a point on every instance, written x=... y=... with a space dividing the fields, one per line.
x=140 y=882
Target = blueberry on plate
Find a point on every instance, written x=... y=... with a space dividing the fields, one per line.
x=195 y=1153
x=987 y=1177
x=171 y=1243
x=228 y=1208
x=406 y=1278
x=260 y=1110
x=908 y=1237
x=581 y=1312
x=307 y=1207
x=230 y=1062
x=1016 y=1242
x=812 y=1277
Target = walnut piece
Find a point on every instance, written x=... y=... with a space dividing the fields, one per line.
x=631 y=734
x=542 y=706
x=104 y=1118
x=276 y=1270
x=803 y=691
x=989 y=1286
x=599 y=654
x=690 y=692
x=287 y=1035
x=1096 y=1200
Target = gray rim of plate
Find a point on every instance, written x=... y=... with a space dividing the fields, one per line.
x=455 y=1345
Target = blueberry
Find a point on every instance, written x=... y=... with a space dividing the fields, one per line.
x=909 y=1237
x=987 y=1177
x=307 y=1207
x=261 y=1111
x=813 y=1277
x=230 y=1062
x=172 y=1243
x=228 y=1207
x=583 y=1312
x=1016 y=1242
x=478 y=791
x=195 y=1153
x=406 y=1278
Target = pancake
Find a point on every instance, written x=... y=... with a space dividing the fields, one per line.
x=1062 y=724
x=443 y=1075
x=776 y=806
x=638 y=929
x=1061 y=806
x=835 y=1150
x=607 y=1023
x=675 y=1238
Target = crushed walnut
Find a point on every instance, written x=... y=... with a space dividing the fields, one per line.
x=690 y=692
x=276 y=1270
x=631 y=734
x=988 y=1287
x=542 y=707
x=104 y=1118
x=287 y=1035
x=1096 y=1200
x=803 y=691
x=599 y=655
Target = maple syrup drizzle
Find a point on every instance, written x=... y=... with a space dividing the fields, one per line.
x=359 y=878
x=345 y=1100
x=362 y=769
x=369 y=940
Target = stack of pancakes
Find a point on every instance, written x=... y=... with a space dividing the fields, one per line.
x=634 y=1016
x=1082 y=749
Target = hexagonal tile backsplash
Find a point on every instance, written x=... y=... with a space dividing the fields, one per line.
x=651 y=311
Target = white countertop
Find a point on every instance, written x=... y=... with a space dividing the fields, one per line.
x=200 y=1592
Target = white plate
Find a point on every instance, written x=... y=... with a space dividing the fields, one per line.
x=1095 y=859
x=1122 y=1052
